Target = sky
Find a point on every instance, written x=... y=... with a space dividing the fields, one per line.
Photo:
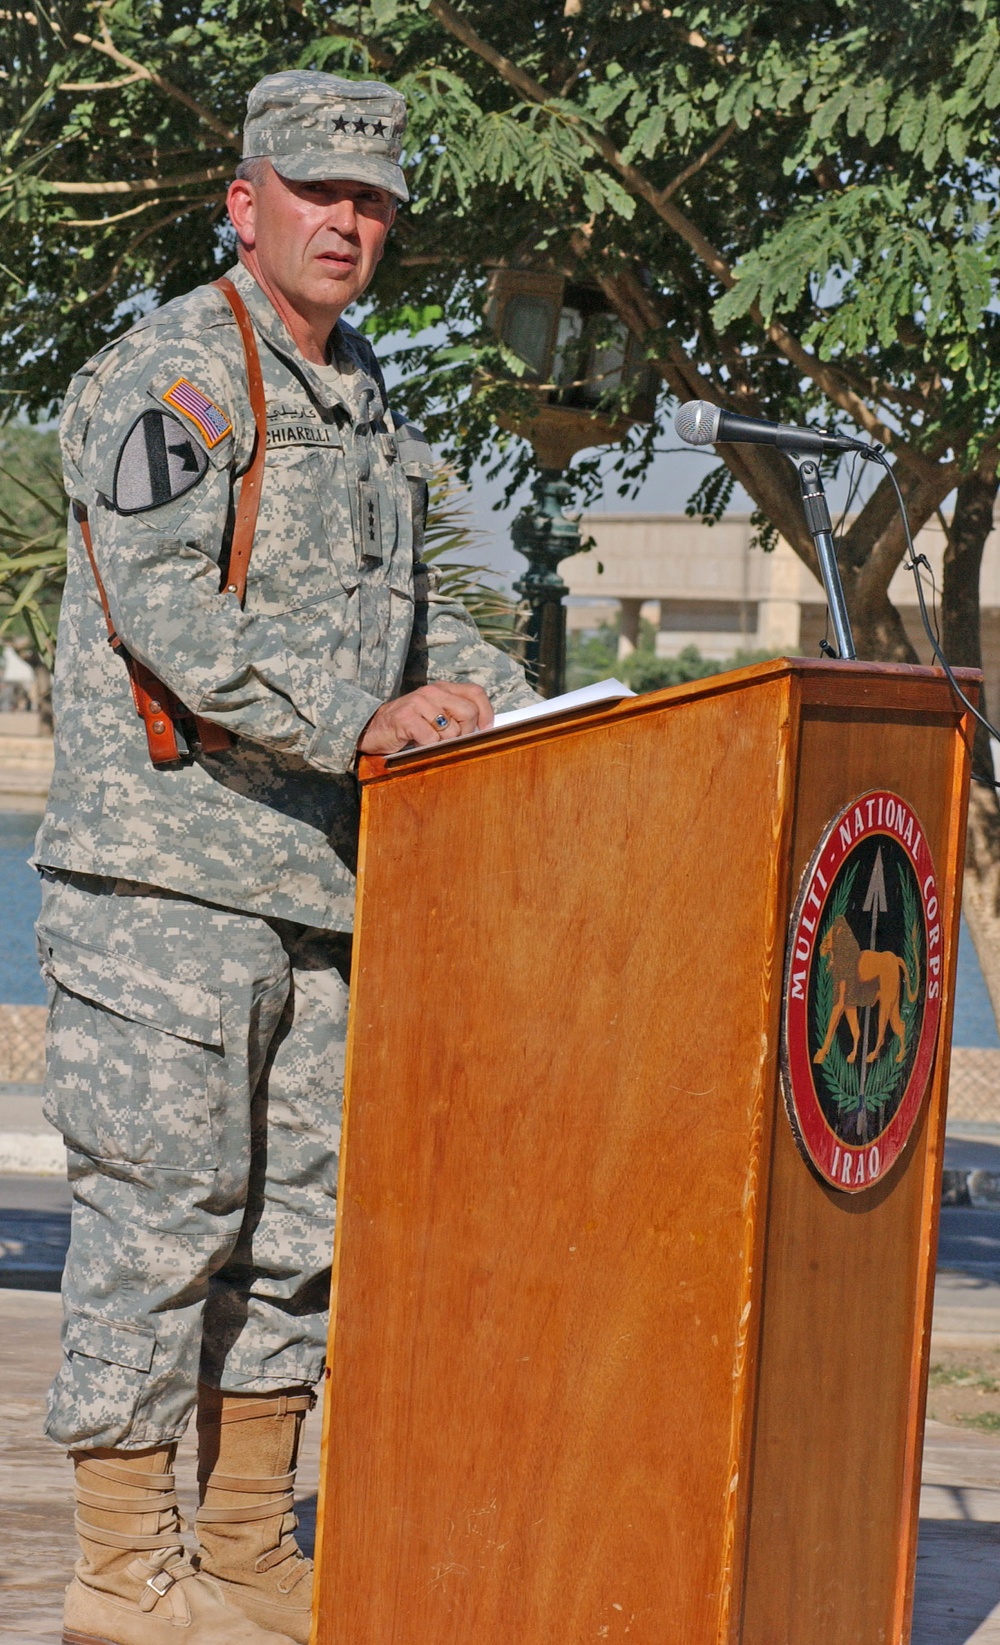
x=670 y=481
x=668 y=484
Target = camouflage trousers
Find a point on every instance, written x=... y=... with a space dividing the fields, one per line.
x=195 y=1068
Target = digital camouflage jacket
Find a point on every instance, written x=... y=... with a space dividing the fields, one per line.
x=156 y=430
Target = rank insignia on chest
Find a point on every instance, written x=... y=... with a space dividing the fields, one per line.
x=212 y=424
x=370 y=522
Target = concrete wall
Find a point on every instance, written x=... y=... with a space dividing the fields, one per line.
x=706 y=586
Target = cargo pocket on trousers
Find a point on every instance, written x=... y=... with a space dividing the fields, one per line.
x=108 y=1364
x=130 y=1058
x=110 y=1341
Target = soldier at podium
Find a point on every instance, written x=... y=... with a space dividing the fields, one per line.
x=195 y=930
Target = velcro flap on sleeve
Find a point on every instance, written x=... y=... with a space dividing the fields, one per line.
x=415 y=454
x=107 y=1340
x=186 y=1009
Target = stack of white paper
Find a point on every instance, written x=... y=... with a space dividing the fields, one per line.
x=602 y=691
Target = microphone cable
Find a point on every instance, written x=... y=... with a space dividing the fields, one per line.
x=915 y=562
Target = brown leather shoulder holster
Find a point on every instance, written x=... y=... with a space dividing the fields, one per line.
x=156 y=705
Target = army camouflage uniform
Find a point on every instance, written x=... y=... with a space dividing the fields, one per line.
x=195 y=922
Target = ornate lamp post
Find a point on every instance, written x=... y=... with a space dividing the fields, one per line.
x=576 y=353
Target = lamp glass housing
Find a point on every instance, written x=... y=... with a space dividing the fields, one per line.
x=580 y=355
x=527 y=327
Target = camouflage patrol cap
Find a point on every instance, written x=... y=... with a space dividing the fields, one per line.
x=314 y=126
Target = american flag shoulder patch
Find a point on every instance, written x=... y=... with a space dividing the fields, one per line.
x=211 y=423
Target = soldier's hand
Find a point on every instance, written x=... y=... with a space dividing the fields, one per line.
x=433 y=714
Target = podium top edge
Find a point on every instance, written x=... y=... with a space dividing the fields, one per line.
x=814 y=673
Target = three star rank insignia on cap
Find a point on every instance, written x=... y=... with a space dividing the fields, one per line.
x=212 y=424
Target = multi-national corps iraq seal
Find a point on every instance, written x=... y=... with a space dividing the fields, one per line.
x=863 y=981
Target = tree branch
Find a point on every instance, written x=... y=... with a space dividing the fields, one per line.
x=703 y=159
x=765 y=475
x=119 y=217
x=579 y=67
x=871 y=579
x=136 y=242
x=141 y=185
x=100 y=85
x=945 y=528
x=822 y=375
x=108 y=48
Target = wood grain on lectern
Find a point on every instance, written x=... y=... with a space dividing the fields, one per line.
x=848 y=1281
x=596 y=1325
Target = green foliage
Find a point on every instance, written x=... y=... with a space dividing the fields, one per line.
x=32 y=538
x=644 y=671
x=805 y=201
x=450 y=531
x=591 y=657
x=988 y=1422
x=594 y=656
x=711 y=497
x=958 y=1376
x=856 y=197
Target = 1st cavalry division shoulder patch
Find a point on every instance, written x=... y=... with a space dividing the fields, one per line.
x=159 y=461
x=863 y=979
x=212 y=424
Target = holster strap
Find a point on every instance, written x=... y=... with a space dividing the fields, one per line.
x=250 y=486
x=156 y=707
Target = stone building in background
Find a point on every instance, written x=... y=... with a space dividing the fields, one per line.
x=705 y=586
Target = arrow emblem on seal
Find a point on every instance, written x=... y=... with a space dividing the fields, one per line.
x=876 y=902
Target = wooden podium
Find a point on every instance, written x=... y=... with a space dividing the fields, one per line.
x=609 y=1359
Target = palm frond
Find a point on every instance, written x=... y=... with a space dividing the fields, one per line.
x=451 y=531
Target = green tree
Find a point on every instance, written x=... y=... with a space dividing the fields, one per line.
x=795 y=208
x=32 y=548
x=450 y=536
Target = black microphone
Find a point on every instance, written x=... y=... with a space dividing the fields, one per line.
x=701 y=424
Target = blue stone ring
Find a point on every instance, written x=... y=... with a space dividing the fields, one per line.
x=441 y=722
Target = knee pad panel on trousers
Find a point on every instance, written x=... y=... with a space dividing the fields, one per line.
x=157 y=1042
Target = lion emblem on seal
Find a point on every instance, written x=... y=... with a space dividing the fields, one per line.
x=864 y=977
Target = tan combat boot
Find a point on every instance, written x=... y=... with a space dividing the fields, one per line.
x=247 y=1450
x=134 y=1585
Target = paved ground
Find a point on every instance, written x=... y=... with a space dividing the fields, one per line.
x=37 y=1543
x=958 y=1567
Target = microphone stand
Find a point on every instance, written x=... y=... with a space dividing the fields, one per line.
x=820 y=526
